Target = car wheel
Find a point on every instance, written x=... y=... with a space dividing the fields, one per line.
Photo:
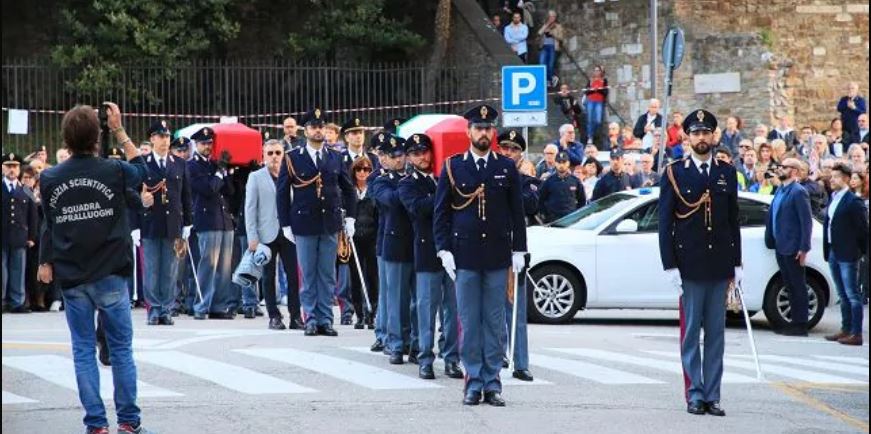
x=777 y=306
x=557 y=295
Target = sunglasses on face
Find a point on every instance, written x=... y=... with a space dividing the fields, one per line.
x=272 y=153
x=363 y=169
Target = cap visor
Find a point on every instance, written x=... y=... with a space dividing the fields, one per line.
x=482 y=124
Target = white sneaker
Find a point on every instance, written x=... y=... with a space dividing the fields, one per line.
x=283 y=300
x=55 y=306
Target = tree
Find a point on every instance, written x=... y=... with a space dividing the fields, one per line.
x=353 y=30
x=104 y=35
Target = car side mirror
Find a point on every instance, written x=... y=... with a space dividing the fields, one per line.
x=627 y=226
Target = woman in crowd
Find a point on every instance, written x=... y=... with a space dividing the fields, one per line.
x=857 y=157
x=597 y=96
x=778 y=150
x=552 y=36
x=766 y=156
x=837 y=144
x=365 y=230
x=592 y=171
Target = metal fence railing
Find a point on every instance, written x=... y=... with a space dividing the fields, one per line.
x=260 y=94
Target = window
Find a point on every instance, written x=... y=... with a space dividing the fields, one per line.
x=647 y=217
x=594 y=214
x=752 y=213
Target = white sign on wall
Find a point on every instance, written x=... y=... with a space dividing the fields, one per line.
x=718 y=83
x=17 y=123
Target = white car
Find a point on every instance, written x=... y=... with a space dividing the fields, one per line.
x=606 y=256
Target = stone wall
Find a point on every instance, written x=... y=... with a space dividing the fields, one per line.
x=792 y=57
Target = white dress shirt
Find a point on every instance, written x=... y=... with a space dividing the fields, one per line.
x=836 y=200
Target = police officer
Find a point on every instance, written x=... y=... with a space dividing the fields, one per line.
x=700 y=246
x=322 y=192
x=354 y=134
x=213 y=222
x=480 y=234
x=397 y=254
x=512 y=145
x=181 y=148
x=378 y=142
x=435 y=290
x=393 y=124
x=164 y=224
x=562 y=192
x=19 y=233
x=614 y=180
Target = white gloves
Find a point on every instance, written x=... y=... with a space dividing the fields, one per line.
x=288 y=234
x=219 y=174
x=136 y=239
x=674 y=279
x=447 y=259
x=349 y=226
x=186 y=232
x=518 y=261
x=739 y=275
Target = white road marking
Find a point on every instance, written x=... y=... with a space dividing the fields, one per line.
x=361 y=374
x=589 y=371
x=223 y=374
x=844 y=359
x=11 y=398
x=61 y=371
x=827 y=365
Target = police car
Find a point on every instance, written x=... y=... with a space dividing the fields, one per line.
x=606 y=256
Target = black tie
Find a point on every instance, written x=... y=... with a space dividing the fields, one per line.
x=705 y=169
x=318 y=159
x=162 y=164
x=482 y=163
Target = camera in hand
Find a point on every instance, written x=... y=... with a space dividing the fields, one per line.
x=103 y=116
x=770 y=174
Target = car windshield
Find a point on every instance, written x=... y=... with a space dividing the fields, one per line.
x=593 y=215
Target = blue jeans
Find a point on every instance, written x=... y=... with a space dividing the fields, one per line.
x=521 y=348
x=436 y=294
x=109 y=296
x=161 y=266
x=702 y=307
x=547 y=57
x=400 y=279
x=594 y=118
x=846 y=277
x=214 y=271
x=14 y=259
x=480 y=301
x=317 y=260
x=381 y=313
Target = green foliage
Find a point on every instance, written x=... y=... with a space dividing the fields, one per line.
x=102 y=35
x=767 y=37
x=353 y=30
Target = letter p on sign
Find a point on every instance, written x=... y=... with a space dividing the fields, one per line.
x=524 y=88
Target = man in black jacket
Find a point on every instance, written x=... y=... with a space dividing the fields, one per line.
x=649 y=121
x=614 y=180
x=19 y=233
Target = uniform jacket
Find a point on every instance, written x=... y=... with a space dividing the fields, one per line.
x=19 y=217
x=417 y=192
x=381 y=211
x=310 y=213
x=398 y=244
x=480 y=242
x=261 y=209
x=610 y=183
x=794 y=221
x=210 y=196
x=560 y=196
x=702 y=250
x=166 y=221
x=849 y=225
x=347 y=161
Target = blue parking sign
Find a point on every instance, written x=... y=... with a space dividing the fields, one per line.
x=524 y=88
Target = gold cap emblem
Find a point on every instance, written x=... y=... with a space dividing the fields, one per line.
x=266 y=134
x=206 y=132
x=356 y=122
x=512 y=134
x=700 y=115
x=317 y=113
x=396 y=122
x=416 y=139
x=163 y=123
x=381 y=137
x=484 y=111
x=392 y=141
x=11 y=157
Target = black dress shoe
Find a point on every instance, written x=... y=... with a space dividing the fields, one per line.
x=494 y=399
x=346 y=321
x=377 y=346
x=311 y=330
x=425 y=372
x=452 y=370
x=522 y=375
x=472 y=398
x=20 y=309
x=412 y=358
x=327 y=330
x=276 y=324
x=153 y=321
x=696 y=407
x=714 y=409
x=359 y=324
x=396 y=359
x=295 y=324
x=165 y=320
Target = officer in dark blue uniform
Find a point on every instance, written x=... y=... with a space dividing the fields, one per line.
x=614 y=180
x=165 y=224
x=435 y=289
x=512 y=145
x=354 y=134
x=480 y=236
x=378 y=142
x=393 y=124
x=184 y=293
x=561 y=193
x=322 y=193
x=19 y=233
x=213 y=222
x=700 y=246
x=398 y=254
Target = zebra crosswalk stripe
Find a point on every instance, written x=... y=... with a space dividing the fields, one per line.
x=661 y=365
x=589 y=371
x=845 y=359
x=60 y=371
x=831 y=366
x=232 y=377
x=11 y=398
x=361 y=374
